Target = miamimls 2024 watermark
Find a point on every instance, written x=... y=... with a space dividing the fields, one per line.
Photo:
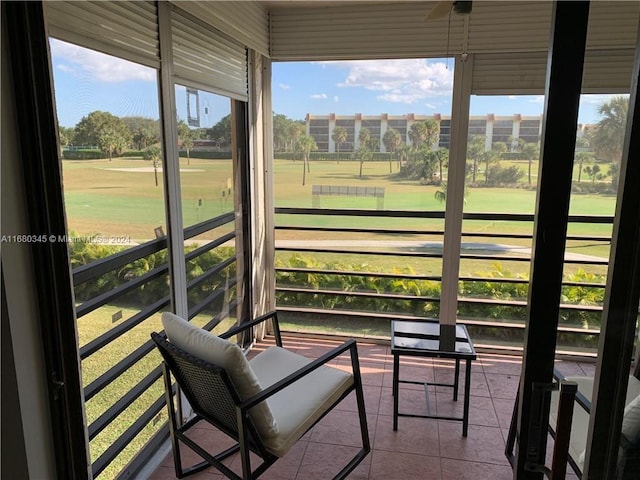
x=97 y=239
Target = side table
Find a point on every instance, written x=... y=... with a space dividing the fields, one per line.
x=430 y=339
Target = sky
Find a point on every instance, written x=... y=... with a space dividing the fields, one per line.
x=85 y=80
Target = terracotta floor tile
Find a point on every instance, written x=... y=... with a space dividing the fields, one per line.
x=483 y=444
x=410 y=401
x=479 y=386
x=462 y=470
x=568 y=368
x=387 y=465
x=501 y=364
x=481 y=409
x=342 y=428
x=324 y=461
x=504 y=411
x=415 y=435
x=371 y=400
x=503 y=385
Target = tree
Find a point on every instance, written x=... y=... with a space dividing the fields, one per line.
x=339 y=136
x=608 y=137
x=441 y=194
x=582 y=157
x=475 y=151
x=295 y=131
x=426 y=131
x=391 y=141
x=154 y=153
x=65 y=135
x=363 y=152
x=530 y=152
x=186 y=136
x=493 y=156
x=594 y=173
x=443 y=158
x=144 y=131
x=280 y=132
x=105 y=130
x=221 y=132
x=306 y=144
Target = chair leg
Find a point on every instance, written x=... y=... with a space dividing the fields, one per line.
x=243 y=438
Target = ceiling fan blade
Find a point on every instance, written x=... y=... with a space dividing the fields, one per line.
x=440 y=9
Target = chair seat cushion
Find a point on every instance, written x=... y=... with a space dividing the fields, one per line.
x=297 y=407
x=220 y=352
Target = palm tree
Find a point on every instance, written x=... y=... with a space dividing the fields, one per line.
x=391 y=141
x=363 y=153
x=339 y=136
x=475 y=150
x=530 y=152
x=417 y=134
x=441 y=193
x=608 y=138
x=581 y=157
x=306 y=144
x=364 y=137
x=443 y=158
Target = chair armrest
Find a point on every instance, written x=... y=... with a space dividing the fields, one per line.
x=273 y=315
x=301 y=372
x=581 y=400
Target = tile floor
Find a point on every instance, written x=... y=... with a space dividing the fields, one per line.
x=421 y=448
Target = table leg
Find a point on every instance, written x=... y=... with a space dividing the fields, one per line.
x=396 y=375
x=456 y=380
x=467 y=391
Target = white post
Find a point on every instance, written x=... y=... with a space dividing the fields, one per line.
x=455 y=189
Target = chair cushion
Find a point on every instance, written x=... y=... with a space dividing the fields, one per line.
x=297 y=407
x=631 y=421
x=216 y=350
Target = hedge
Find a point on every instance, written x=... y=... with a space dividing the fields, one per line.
x=332 y=157
x=206 y=154
x=83 y=154
x=86 y=253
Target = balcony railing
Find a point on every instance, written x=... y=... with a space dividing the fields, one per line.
x=123 y=388
x=492 y=304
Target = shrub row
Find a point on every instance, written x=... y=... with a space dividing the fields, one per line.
x=206 y=154
x=428 y=289
x=331 y=157
x=82 y=154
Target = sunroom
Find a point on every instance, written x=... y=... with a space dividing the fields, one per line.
x=96 y=248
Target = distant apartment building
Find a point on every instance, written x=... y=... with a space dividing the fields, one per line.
x=494 y=128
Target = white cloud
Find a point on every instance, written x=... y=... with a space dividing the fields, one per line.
x=399 y=81
x=96 y=66
x=336 y=98
x=430 y=105
x=537 y=99
x=512 y=97
x=284 y=86
x=597 y=99
x=319 y=96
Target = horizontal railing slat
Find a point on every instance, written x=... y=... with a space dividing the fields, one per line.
x=123 y=402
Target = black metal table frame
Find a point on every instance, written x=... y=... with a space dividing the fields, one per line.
x=398 y=352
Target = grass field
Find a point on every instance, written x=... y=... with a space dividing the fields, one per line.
x=120 y=198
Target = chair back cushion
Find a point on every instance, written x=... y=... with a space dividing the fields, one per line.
x=631 y=421
x=213 y=349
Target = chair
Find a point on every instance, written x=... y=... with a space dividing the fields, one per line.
x=265 y=405
x=629 y=458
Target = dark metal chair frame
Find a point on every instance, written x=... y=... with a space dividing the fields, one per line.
x=214 y=399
